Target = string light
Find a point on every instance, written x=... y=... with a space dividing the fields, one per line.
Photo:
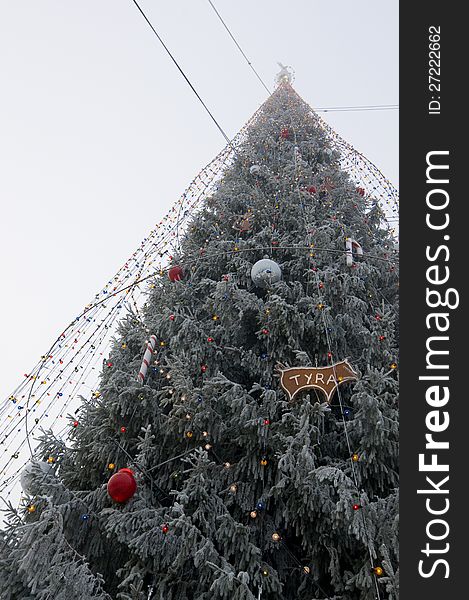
x=123 y=348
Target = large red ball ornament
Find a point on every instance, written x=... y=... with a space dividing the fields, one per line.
x=175 y=273
x=285 y=134
x=311 y=189
x=122 y=486
x=128 y=471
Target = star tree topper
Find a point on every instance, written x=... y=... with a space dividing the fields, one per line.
x=285 y=75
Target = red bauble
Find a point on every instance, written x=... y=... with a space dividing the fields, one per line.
x=285 y=134
x=128 y=471
x=311 y=189
x=122 y=486
x=175 y=273
x=361 y=191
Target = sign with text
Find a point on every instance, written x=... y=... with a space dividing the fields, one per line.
x=296 y=379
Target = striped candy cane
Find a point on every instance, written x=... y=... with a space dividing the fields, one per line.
x=146 y=358
x=350 y=246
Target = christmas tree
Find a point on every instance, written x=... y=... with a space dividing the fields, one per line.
x=233 y=488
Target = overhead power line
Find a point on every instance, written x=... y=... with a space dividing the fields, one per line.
x=219 y=127
x=239 y=47
x=182 y=73
x=357 y=108
x=321 y=109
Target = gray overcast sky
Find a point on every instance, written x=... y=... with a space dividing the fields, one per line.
x=99 y=133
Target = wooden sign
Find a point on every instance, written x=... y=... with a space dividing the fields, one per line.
x=297 y=379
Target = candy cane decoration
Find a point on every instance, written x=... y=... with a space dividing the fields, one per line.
x=146 y=358
x=350 y=246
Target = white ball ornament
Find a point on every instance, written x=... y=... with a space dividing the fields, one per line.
x=255 y=169
x=32 y=473
x=265 y=272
